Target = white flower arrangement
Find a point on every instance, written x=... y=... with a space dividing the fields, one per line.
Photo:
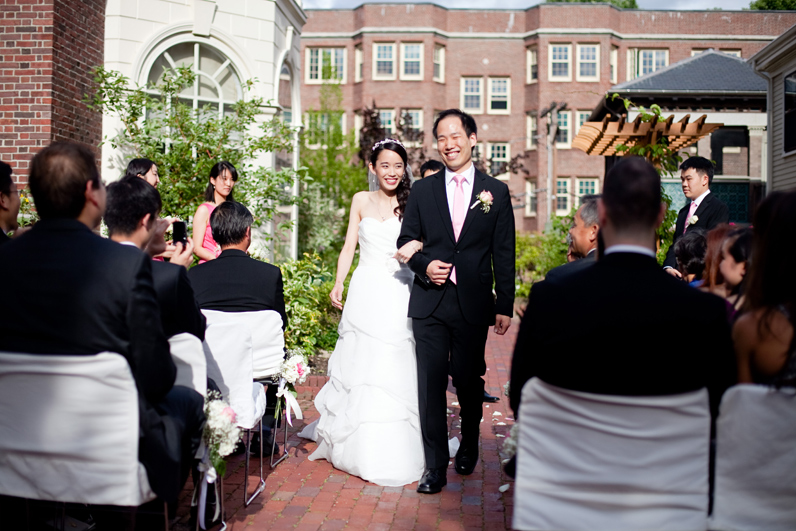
x=221 y=433
x=294 y=371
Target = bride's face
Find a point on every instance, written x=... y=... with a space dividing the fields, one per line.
x=389 y=169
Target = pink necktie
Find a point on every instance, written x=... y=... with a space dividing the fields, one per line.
x=459 y=213
x=691 y=211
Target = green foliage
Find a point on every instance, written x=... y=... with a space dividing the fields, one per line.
x=625 y=4
x=185 y=142
x=665 y=232
x=773 y=5
x=27 y=211
x=312 y=320
x=539 y=253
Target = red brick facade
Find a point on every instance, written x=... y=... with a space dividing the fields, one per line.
x=495 y=43
x=48 y=50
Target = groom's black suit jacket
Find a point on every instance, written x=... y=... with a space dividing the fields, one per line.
x=711 y=212
x=607 y=330
x=486 y=239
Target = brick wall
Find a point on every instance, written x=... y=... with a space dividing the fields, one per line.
x=47 y=48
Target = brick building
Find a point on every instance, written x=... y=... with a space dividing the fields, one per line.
x=48 y=50
x=506 y=67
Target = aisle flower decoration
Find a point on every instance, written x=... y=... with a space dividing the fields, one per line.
x=294 y=371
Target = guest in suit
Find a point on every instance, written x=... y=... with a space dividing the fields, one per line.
x=585 y=227
x=131 y=216
x=79 y=294
x=235 y=282
x=9 y=203
x=631 y=306
x=703 y=211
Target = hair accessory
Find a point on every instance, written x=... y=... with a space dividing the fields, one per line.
x=386 y=140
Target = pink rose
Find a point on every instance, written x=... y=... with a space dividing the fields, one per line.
x=486 y=196
x=300 y=369
x=229 y=413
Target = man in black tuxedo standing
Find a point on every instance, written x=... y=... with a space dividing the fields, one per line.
x=466 y=223
x=77 y=293
x=703 y=211
x=632 y=307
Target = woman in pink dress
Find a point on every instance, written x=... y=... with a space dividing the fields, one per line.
x=222 y=179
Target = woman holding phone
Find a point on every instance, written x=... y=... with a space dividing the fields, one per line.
x=223 y=176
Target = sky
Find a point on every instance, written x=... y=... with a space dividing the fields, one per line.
x=677 y=5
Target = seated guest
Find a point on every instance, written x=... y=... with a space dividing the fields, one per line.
x=77 y=293
x=585 y=227
x=690 y=254
x=430 y=167
x=764 y=334
x=9 y=203
x=712 y=281
x=735 y=253
x=630 y=303
x=132 y=216
x=235 y=282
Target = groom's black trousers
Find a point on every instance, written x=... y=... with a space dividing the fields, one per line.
x=448 y=344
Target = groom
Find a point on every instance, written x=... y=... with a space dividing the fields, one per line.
x=465 y=220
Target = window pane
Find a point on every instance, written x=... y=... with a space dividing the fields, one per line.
x=562 y=194
x=472 y=93
x=562 y=136
x=790 y=112
x=500 y=94
x=384 y=60
x=314 y=63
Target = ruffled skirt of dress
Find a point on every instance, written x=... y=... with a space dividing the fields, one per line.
x=369 y=424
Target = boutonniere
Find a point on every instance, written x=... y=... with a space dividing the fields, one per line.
x=485 y=199
x=692 y=220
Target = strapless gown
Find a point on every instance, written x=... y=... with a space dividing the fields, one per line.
x=369 y=424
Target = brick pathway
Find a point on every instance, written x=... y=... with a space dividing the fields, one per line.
x=311 y=495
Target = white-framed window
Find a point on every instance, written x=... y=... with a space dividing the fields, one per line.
x=478 y=150
x=439 y=63
x=736 y=53
x=560 y=63
x=411 y=61
x=614 y=64
x=587 y=186
x=588 y=68
x=416 y=115
x=384 y=61
x=562 y=196
x=564 y=132
x=641 y=62
x=499 y=156
x=359 y=122
x=325 y=64
x=530 y=198
x=531 y=131
x=532 y=67
x=472 y=95
x=387 y=119
x=319 y=126
x=359 y=64
x=583 y=117
x=499 y=95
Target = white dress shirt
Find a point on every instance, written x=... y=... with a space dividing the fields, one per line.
x=699 y=200
x=467 y=186
x=627 y=248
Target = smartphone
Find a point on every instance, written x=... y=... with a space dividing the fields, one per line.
x=179 y=232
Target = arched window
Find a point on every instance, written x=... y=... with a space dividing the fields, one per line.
x=217 y=83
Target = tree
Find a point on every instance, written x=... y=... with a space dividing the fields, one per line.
x=773 y=5
x=185 y=142
x=624 y=4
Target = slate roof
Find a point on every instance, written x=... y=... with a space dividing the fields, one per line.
x=710 y=72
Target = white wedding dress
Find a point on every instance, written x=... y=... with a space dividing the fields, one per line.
x=369 y=424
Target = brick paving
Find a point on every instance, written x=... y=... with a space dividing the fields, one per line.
x=311 y=495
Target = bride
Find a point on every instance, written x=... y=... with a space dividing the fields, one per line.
x=369 y=424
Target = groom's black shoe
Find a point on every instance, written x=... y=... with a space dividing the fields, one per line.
x=433 y=480
x=490 y=398
x=466 y=458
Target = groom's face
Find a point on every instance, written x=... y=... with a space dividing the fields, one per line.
x=453 y=144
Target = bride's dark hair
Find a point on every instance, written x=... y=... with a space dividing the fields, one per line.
x=402 y=192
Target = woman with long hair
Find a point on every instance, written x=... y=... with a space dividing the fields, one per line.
x=736 y=253
x=764 y=334
x=369 y=424
x=143 y=169
x=223 y=177
x=713 y=282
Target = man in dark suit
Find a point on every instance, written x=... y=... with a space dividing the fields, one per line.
x=703 y=211
x=466 y=223
x=77 y=293
x=235 y=282
x=9 y=203
x=631 y=307
x=584 y=233
x=132 y=218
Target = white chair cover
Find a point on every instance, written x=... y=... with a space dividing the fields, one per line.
x=189 y=357
x=603 y=462
x=228 y=352
x=268 y=340
x=755 y=460
x=69 y=430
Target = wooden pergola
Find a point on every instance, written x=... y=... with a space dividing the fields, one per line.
x=602 y=138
